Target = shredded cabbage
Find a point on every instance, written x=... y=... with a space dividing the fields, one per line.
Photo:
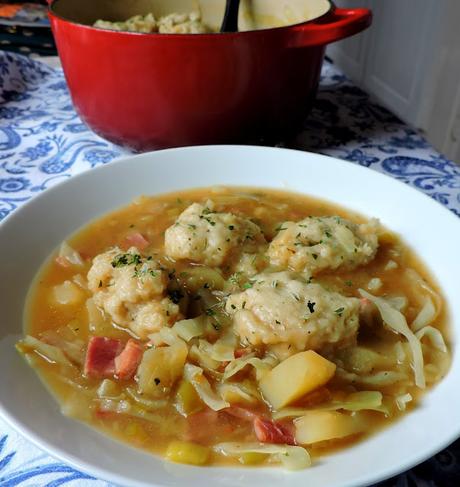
x=218 y=351
x=108 y=389
x=70 y=254
x=435 y=337
x=398 y=302
x=419 y=281
x=402 y=400
x=125 y=407
x=188 y=329
x=425 y=317
x=195 y=376
x=238 y=393
x=144 y=402
x=49 y=352
x=357 y=401
x=400 y=353
x=379 y=379
x=397 y=322
x=72 y=347
x=291 y=457
x=203 y=358
x=262 y=366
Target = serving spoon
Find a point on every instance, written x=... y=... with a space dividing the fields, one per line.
x=230 y=22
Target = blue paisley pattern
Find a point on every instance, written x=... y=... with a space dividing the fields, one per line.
x=42 y=141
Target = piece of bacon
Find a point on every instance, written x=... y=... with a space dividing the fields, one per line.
x=271 y=432
x=241 y=352
x=137 y=240
x=128 y=360
x=100 y=357
x=240 y=413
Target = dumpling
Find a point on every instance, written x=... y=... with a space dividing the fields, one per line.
x=204 y=236
x=131 y=289
x=318 y=243
x=283 y=309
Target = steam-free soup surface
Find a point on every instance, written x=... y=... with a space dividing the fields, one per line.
x=236 y=326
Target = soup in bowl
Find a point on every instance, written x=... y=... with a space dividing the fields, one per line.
x=250 y=324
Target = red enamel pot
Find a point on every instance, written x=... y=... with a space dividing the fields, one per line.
x=148 y=91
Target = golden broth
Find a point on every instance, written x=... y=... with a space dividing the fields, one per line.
x=151 y=216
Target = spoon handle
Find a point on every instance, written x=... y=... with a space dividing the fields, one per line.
x=230 y=22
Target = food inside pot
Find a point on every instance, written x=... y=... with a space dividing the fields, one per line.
x=236 y=326
x=170 y=24
x=187 y=16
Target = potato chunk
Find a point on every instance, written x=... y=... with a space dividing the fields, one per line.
x=325 y=425
x=160 y=368
x=294 y=377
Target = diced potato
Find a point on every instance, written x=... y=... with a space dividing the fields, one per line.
x=67 y=293
x=318 y=426
x=160 y=368
x=252 y=458
x=188 y=401
x=294 y=377
x=185 y=452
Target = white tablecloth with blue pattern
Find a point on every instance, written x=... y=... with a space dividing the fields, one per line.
x=42 y=142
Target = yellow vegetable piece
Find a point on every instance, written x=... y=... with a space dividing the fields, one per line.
x=188 y=401
x=294 y=377
x=160 y=368
x=252 y=458
x=318 y=426
x=185 y=452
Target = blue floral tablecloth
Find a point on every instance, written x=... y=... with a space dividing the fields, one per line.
x=42 y=142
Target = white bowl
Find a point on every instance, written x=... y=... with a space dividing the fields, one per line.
x=29 y=235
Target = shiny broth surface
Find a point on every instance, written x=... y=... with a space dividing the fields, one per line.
x=193 y=317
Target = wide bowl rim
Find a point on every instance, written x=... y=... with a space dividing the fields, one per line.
x=188 y=37
x=102 y=473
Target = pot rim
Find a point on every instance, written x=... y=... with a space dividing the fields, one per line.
x=200 y=36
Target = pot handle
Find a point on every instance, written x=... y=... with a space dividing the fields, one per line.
x=338 y=24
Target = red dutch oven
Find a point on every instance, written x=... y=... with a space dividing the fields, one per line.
x=147 y=91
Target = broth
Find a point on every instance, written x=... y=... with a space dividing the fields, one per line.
x=155 y=421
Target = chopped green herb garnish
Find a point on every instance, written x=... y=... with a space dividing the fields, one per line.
x=315 y=256
x=233 y=306
x=349 y=283
x=328 y=234
x=247 y=285
x=339 y=311
x=231 y=227
x=157 y=381
x=311 y=306
x=280 y=228
x=193 y=227
x=210 y=312
x=126 y=259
